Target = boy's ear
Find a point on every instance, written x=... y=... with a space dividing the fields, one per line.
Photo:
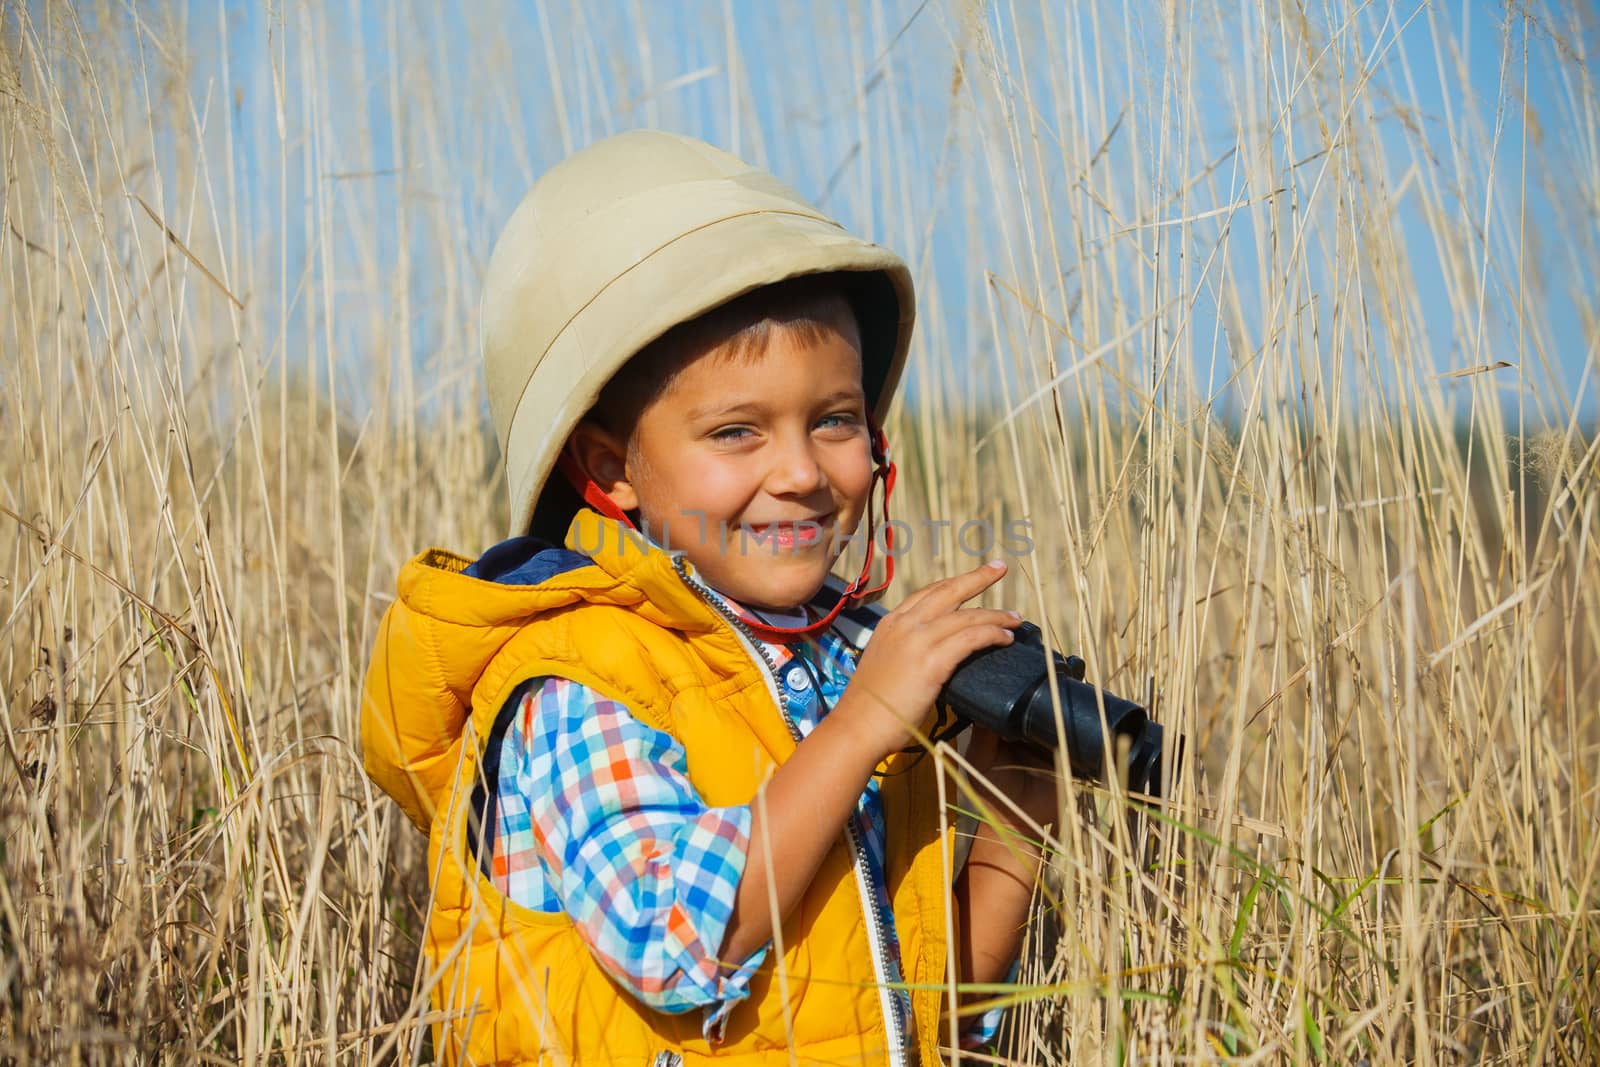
x=604 y=459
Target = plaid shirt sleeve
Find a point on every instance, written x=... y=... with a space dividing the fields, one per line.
x=594 y=816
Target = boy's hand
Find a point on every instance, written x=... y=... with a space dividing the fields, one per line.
x=1020 y=772
x=914 y=651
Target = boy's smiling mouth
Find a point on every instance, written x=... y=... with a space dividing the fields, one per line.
x=791 y=532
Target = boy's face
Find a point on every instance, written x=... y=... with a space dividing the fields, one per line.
x=764 y=441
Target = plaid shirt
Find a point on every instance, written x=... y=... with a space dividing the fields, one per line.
x=594 y=815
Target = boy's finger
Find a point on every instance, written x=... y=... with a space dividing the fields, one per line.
x=942 y=597
x=965 y=618
x=945 y=596
x=968 y=640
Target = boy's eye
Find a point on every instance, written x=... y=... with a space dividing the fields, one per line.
x=734 y=433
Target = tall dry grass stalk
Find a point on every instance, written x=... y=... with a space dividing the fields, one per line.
x=1260 y=332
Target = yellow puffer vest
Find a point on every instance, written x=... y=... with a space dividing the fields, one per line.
x=515 y=986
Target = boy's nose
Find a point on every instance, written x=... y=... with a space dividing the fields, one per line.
x=795 y=470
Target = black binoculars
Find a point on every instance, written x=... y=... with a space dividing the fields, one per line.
x=1007 y=689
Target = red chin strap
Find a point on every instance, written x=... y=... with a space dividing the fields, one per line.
x=883 y=470
x=591 y=493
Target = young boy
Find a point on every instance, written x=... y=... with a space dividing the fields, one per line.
x=672 y=816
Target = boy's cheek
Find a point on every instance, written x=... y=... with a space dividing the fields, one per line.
x=706 y=530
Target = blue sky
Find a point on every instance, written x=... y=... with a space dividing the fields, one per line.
x=351 y=125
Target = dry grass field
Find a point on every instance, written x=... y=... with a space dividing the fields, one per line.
x=1274 y=320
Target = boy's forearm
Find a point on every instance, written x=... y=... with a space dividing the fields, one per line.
x=995 y=887
x=803 y=811
x=993 y=893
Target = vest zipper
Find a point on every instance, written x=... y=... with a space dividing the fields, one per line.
x=877 y=935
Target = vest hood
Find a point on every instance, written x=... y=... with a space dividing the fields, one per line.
x=452 y=616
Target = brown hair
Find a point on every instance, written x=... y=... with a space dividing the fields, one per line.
x=810 y=308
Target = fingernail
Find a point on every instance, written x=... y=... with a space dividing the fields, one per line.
x=1015 y=614
x=997 y=564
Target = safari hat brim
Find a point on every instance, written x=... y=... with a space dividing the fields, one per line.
x=629 y=238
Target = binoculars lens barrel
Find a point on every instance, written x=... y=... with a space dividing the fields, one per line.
x=1007 y=689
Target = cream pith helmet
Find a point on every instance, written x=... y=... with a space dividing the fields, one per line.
x=624 y=240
